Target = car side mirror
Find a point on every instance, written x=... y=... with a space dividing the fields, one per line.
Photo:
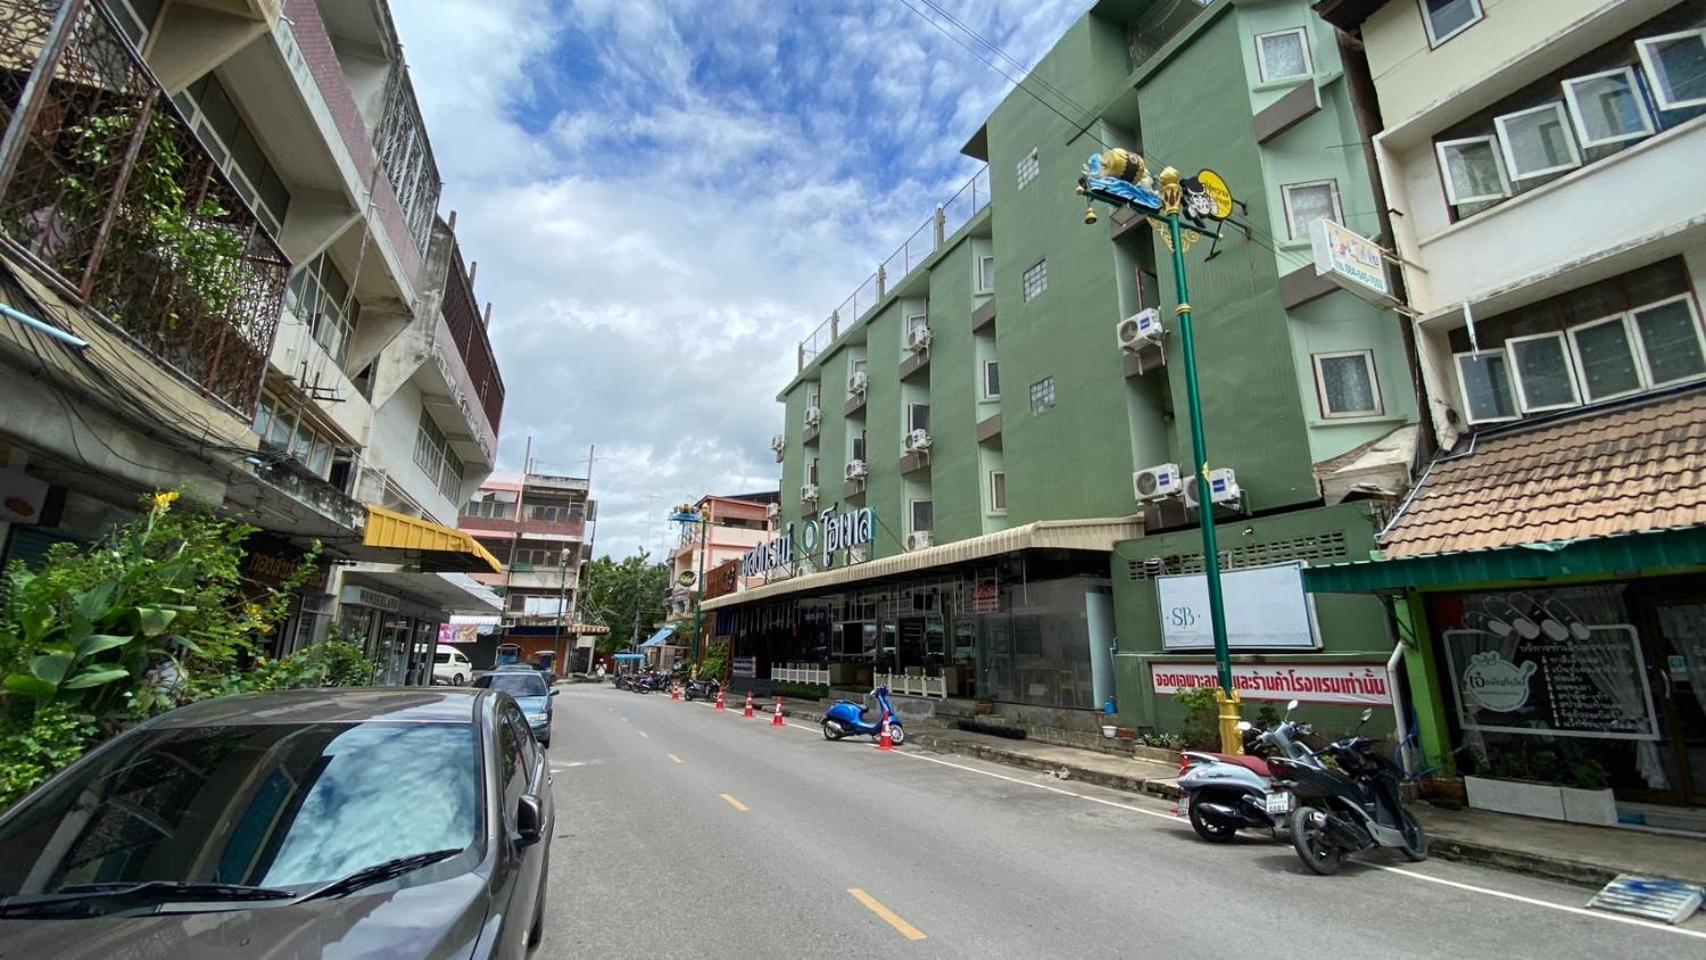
x=529 y=820
x=555 y=692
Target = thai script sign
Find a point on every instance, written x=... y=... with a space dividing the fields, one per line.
x=1311 y=683
x=1266 y=609
x=819 y=538
x=1590 y=682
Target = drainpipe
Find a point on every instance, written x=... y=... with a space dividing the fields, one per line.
x=1406 y=758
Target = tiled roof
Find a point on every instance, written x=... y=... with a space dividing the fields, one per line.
x=1626 y=470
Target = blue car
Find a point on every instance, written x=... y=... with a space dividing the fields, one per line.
x=530 y=693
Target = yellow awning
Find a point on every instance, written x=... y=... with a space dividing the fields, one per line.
x=438 y=548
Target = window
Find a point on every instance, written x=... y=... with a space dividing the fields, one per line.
x=1347 y=385
x=434 y=456
x=814 y=397
x=917 y=417
x=923 y=515
x=319 y=296
x=856 y=446
x=991 y=380
x=811 y=471
x=221 y=129
x=1306 y=203
x=917 y=325
x=1445 y=19
x=1607 y=107
x=1283 y=55
x=1028 y=168
x=1483 y=382
x=537 y=556
x=1042 y=395
x=861 y=365
x=1669 y=335
x=1035 y=280
x=1472 y=170
x=511 y=770
x=490 y=509
x=997 y=491
x=1537 y=142
x=285 y=425
x=136 y=17
x=1676 y=68
x=1544 y=380
x=985 y=274
x=1604 y=352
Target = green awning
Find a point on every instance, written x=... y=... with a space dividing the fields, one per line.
x=1627 y=554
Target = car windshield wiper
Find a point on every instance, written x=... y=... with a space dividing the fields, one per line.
x=85 y=893
x=379 y=872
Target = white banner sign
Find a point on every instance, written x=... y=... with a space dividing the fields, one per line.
x=1350 y=260
x=1311 y=683
x=1266 y=609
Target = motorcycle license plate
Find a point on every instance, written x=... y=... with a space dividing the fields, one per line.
x=1279 y=803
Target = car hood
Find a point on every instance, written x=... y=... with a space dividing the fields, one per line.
x=533 y=704
x=434 y=921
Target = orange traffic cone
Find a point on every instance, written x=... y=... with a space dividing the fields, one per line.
x=675 y=691
x=886 y=742
x=777 y=721
x=748 y=711
x=719 y=699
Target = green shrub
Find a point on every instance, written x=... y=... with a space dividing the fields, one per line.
x=55 y=737
x=1202 y=717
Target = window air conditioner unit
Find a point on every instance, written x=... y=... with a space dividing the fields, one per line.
x=814 y=416
x=918 y=540
x=1140 y=330
x=1157 y=483
x=918 y=441
x=1222 y=489
x=808 y=493
x=856 y=383
x=855 y=469
x=774 y=511
x=918 y=339
x=778 y=443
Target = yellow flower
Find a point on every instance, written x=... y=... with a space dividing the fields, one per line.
x=164 y=499
x=253 y=611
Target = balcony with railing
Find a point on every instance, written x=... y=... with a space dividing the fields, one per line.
x=108 y=195
x=949 y=219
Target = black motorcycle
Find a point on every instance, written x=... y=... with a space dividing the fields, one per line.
x=1354 y=807
x=705 y=688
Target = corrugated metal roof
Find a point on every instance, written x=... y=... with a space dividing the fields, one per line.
x=1093 y=534
x=1606 y=473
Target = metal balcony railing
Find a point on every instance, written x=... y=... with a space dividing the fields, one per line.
x=462 y=315
x=106 y=191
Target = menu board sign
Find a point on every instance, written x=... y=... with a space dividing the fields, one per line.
x=1575 y=680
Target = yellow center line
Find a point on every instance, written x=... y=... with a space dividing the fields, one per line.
x=674 y=759
x=735 y=803
x=906 y=930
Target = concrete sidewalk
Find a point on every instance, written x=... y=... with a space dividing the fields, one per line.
x=1575 y=853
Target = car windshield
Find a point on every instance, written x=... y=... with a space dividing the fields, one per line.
x=515 y=683
x=273 y=805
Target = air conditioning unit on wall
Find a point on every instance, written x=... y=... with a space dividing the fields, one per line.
x=918 y=540
x=774 y=511
x=1140 y=330
x=918 y=339
x=814 y=416
x=856 y=382
x=855 y=469
x=808 y=493
x=917 y=441
x=1156 y=483
x=1223 y=489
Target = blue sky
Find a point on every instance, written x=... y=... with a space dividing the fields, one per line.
x=664 y=196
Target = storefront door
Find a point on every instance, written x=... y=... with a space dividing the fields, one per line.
x=1679 y=659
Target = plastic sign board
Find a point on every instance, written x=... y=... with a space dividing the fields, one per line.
x=1360 y=683
x=1350 y=260
x=1206 y=197
x=1266 y=609
x=822 y=538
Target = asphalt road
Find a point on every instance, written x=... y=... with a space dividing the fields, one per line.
x=682 y=832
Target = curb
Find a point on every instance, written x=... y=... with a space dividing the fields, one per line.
x=1152 y=786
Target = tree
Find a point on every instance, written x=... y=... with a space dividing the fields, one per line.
x=611 y=591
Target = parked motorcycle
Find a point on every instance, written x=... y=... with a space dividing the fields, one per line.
x=705 y=688
x=846 y=718
x=1223 y=793
x=1344 y=810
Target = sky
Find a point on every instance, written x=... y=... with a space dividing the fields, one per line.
x=665 y=196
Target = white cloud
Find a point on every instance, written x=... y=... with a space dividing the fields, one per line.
x=665 y=196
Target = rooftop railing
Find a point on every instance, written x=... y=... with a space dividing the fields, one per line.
x=925 y=241
x=105 y=191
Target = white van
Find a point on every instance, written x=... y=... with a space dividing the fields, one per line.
x=450 y=666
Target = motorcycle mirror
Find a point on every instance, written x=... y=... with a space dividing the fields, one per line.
x=1246 y=725
x=1291 y=706
x=1367 y=712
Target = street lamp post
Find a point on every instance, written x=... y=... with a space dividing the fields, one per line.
x=1118 y=177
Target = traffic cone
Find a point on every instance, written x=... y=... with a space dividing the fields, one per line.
x=777 y=721
x=719 y=699
x=748 y=711
x=886 y=742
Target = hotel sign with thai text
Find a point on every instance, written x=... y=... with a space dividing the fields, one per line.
x=820 y=538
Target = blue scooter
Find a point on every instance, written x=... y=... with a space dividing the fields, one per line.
x=847 y=718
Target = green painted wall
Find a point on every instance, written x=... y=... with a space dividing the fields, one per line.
x=883 y=419
x=1354 y=628
x=954 y=470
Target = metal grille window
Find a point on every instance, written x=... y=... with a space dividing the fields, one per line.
x=319 y=296
x=1035 y=280
x=1042 y=395
x=434 y=456
x=1028 y=168
x=406 y=155
x=220 y=128
x=1329 y=547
